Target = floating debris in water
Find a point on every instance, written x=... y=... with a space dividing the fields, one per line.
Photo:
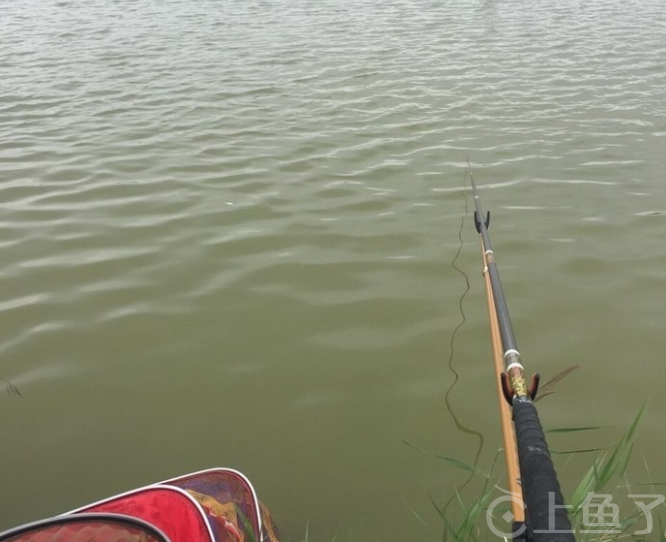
x=11 y=388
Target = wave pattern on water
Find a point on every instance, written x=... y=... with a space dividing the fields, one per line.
x=259 y=201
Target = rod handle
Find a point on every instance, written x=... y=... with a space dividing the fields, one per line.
x=547 y=515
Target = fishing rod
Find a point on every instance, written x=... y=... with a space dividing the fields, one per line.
x=546 y=514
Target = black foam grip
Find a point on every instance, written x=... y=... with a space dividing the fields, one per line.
x=547 y=516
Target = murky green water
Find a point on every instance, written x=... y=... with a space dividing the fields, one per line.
x=226 y=233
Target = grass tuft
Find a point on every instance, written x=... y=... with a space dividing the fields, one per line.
x=607 y=467
x=602 y=480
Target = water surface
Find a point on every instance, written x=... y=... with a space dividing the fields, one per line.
x=227 y=231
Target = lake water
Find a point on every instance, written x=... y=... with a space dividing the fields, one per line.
x=227 y=228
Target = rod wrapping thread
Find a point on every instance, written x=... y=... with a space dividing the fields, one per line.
x=547 y=516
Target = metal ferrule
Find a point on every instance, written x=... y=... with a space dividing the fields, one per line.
x=516 y=373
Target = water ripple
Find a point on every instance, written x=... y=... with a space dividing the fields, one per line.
x=258 y=186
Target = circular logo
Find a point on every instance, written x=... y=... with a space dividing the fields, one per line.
x=492 y=516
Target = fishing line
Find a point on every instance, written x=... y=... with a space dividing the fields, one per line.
x=463 y=318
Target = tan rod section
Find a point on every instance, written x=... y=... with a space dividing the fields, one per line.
x=508 y=434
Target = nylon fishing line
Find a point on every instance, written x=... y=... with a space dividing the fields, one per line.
x=463 y=319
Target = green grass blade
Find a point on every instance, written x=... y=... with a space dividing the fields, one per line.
x=575 y=429
x=450 y=460
x=416 y=514
x=583 y=451
x=585 y=486
x=619 y=458
x=448 y=526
